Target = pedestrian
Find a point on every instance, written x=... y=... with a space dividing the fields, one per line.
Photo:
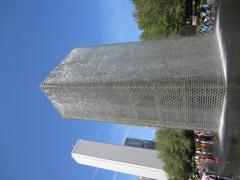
x=213 y=160
x=204 y=142
x=203 y=152
x=202 y=137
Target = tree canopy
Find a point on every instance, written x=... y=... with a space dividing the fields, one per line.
x=175 y=151
x=159 y=18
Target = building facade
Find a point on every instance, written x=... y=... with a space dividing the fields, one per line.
x=135 y=161
x=139 y=143
x=174 y=82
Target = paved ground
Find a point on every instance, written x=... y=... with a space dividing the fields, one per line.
x=230 y=27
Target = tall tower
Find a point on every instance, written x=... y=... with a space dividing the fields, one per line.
x=130 y=160
x=174 y=82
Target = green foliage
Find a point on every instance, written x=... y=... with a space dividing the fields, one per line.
x=159 y=18
x=186 y=30
x=175 y=152
x=203 y=1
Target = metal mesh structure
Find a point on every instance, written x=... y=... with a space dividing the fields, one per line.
x=174 y=82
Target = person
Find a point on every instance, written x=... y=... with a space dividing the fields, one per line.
x=213 y=159
x=206 y=177
x=206 y=6
x=202 y=147
x=201 y=165
x=205 y=133
x=204 y=142
x=202 y=137
x=196 y=132
x=209 y=20
x=205 y=28
x=206 y=19
x=204 y=152
x=203 y=14
x=212 y=2
x=207 y=157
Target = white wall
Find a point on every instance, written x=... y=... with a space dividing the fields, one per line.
x=130 y=160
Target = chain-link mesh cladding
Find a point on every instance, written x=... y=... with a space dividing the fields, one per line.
x=175 y=82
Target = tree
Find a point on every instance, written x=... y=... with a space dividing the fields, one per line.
x=159 y=18
x=175 y=152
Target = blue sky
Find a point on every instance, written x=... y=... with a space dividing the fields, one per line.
x=35 y=142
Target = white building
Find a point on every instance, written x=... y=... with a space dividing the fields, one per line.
x=130 y=160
